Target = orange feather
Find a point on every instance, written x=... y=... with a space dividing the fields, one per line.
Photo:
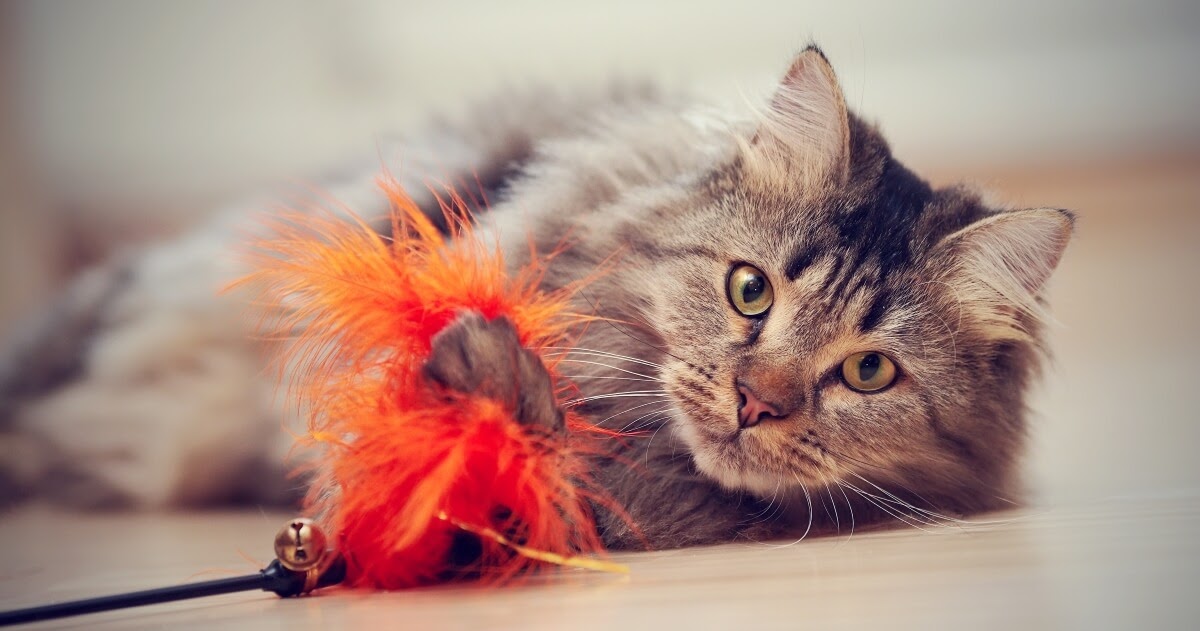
x=405 y=469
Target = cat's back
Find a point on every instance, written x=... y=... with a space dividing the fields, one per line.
x=591 y=184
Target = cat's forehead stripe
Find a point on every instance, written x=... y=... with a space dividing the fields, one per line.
x=800 y=260
x=884 y=226
x=874 y=313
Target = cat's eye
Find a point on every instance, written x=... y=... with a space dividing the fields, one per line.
x=749 y=290
x=868 y=372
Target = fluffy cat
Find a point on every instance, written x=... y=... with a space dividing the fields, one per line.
x=809 y=337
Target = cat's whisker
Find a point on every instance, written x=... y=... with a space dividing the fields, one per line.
x=925 y=515
x=658 y=418
x=953 y=332
x=807 y=529
x=955 y=521
x=902 y=508
x=627 y=426
x=849 y=506
x=898 y=504
x=836 y=518
x=837 y=522
x=630 y=409
x=631 y=336
x=892 y=501
x=885 y=509
x=592 y=363
x=862 y=463
x=627 y=410
x=618 y=395
x=910 y=506
x=930 y=513
x=808 y=499
x=646 y=420
x=571 y=350
x=616 y=378
x=762 y=515
x=842 y=456
x=653 y=436
x=874 y=500
x=828 y=512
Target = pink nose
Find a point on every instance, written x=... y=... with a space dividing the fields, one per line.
x=753 y=410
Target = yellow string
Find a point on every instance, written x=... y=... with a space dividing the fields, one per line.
x=538 y=555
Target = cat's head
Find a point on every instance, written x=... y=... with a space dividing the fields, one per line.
x=827 y=314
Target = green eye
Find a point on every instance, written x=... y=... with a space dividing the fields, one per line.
x=868 y=372
x=750 y=291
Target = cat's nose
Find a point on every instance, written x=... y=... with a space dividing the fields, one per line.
x=753 y=410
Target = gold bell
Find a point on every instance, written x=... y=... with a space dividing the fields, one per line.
x=300 y=545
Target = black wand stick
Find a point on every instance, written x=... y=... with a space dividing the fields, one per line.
x=302 y=564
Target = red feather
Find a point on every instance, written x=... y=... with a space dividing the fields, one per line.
x=405 y=469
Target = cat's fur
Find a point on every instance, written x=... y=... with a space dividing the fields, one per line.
x=158 y=401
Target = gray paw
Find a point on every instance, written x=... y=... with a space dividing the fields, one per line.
x=477 y=356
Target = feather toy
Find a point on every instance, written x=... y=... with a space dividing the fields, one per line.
x=413 y=482
x=417 y=484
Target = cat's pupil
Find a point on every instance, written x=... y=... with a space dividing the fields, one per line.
x=868 y=367
x=753 y=289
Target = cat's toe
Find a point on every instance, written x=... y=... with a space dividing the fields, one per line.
x=477 y=356
x=484 y=357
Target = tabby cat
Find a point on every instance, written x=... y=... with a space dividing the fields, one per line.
x=808 y=337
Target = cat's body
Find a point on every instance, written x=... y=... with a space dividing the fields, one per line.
x=748 y=262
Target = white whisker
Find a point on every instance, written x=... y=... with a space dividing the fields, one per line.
x=808 y=499
x=871 y=499
x=618 y=378
x=808 y=529
x=901 y=502
x=837 y=521
x=770 y=505
x=849 y=506
x=618 y=395
x=627 y=410
x=637 y=427
x=652 y=437
x=588 y=351
x=630 y=372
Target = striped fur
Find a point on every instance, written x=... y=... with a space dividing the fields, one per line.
x=861 y=253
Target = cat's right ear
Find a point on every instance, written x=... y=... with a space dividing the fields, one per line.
x=806 y=130
x=998 y=266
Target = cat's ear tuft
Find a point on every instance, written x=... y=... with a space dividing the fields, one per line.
x=1000 y=264
x=1023 y=246
x=807 y=125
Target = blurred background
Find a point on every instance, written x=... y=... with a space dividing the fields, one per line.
x=123 y=122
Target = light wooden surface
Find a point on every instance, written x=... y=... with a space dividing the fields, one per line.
x=1121 y=564
x=1110 y=541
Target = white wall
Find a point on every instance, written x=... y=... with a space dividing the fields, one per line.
x=148 y=104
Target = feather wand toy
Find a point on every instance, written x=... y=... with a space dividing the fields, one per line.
x=302 y=564
x=412 y=473
x=415 y=483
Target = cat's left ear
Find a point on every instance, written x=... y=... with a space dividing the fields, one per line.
x=806 y=130
x=999 y=265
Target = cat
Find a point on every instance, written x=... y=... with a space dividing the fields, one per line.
x=807 y=337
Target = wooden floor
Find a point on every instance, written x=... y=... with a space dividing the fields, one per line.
x=1111 y=540
x=1122 y=564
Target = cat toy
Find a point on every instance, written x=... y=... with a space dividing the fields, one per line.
x=302 y=564
x=413 y=474
x=412 y=484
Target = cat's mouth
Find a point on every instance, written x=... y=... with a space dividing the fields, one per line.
x=733 y=472
x=749 y=459
x=754 y=454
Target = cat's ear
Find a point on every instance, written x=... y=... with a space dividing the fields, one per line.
x=997 y=266
x=807 y=125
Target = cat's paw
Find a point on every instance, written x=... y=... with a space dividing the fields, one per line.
x=485 y=357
